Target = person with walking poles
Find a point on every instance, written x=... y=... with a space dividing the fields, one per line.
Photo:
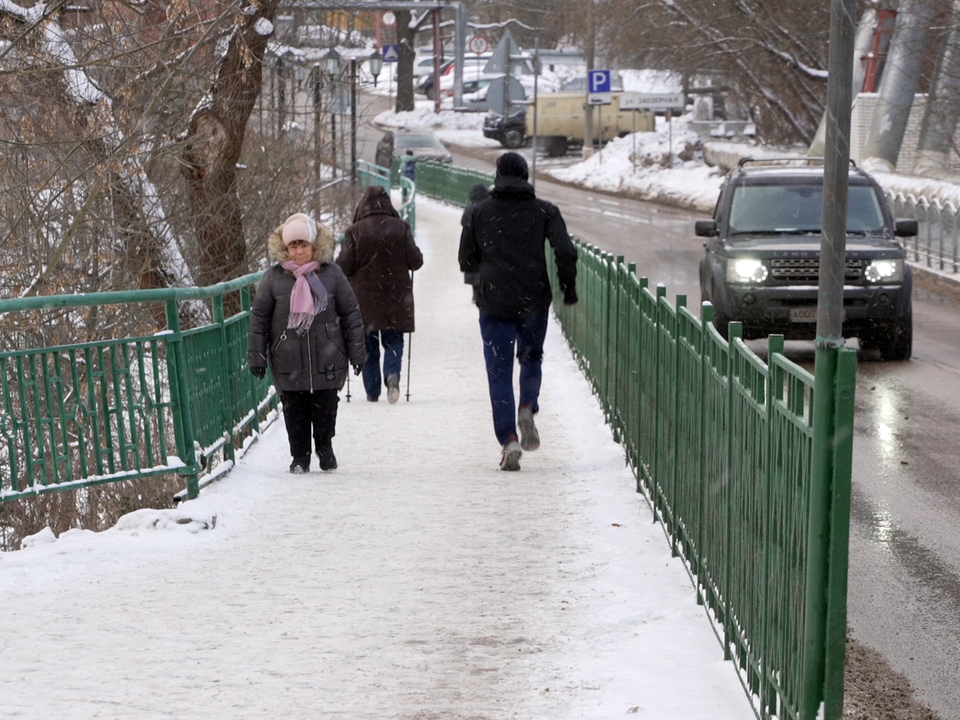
x=377 y=256
x=502 y=241
x=305 y=325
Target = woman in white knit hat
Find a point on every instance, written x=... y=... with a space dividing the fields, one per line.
x=306 y=326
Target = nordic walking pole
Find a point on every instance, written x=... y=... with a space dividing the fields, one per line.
x=349 y=370
x=409 y=344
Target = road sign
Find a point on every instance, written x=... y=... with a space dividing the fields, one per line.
x=388 y=18
x=391 y=53
x=477 y=44
x=598 y=87
x=650 y=101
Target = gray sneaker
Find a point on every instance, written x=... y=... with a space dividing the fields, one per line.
x=529 y=437
x=393 y=388
x=510 y=457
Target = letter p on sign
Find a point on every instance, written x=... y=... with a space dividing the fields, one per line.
x=598 y=81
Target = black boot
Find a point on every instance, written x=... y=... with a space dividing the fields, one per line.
x=301 y=465
x=328 y=461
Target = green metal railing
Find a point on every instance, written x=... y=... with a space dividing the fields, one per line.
x=96 y=412
x=724 y=447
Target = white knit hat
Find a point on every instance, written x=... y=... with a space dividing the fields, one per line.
x=299 y=226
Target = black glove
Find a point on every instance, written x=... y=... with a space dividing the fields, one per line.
x=357 y=369
x=258 y=372
x=570 y=297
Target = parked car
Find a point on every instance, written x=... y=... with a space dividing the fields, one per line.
x=472 y=68
x=762 y=260
x=509 y=131
x=424 y=144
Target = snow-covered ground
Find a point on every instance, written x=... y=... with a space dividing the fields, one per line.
x=415 y=581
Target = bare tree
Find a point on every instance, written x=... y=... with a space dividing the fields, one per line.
x=772 y=55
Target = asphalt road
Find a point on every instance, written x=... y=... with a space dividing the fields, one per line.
x=904 y=580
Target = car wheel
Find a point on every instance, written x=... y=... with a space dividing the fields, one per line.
x=896 y=341
x=512 y=138
x=429 y=93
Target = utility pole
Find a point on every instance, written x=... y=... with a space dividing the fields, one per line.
x=589 y=52
x=825 y=610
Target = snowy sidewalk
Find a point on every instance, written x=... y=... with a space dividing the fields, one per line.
x=415 y=582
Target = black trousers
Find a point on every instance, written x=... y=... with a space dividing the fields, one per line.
x=304 y=410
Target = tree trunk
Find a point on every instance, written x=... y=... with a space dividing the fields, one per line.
x=212 y=148
x=407 y=43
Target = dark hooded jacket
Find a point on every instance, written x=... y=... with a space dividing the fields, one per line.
x=377 y=256
x=503 y=242
x=321 y=358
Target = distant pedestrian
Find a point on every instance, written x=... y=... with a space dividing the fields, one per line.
x=305 y=325
x=502 y=240
x=478 y=193
x=410 y=172
x=378 y=254
x=410 y=166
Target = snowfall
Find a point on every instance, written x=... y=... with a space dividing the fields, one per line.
x=416 y=580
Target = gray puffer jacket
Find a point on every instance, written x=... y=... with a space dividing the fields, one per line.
x=321 y=358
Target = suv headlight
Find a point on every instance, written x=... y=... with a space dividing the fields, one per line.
x=746 y=270
x=884 y=271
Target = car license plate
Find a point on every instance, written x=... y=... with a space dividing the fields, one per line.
x=803 y=314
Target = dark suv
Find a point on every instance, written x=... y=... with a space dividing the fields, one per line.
x=762 y=259
x=510 y=131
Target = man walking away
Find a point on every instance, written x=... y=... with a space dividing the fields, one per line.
x=502 y=242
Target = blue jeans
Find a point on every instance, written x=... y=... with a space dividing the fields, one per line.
x=392 y=355
x=500 y=336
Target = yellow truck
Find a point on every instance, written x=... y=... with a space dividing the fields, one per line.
x=561 y=121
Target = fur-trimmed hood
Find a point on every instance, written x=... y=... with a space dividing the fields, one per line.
x=323 y=246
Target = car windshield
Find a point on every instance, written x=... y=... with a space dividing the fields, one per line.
x=404 y=142
x=779 y=209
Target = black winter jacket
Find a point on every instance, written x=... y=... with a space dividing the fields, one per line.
x=503 y=242
x=321 y=358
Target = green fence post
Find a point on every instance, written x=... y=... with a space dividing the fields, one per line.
x=675 y=412
x=773 y=389
x=614 y=386
x=253 y=383
x=818 y=529
x=180 y=399
x=839 y=551
x=226 y=397
x=706 y=318
x=734 y=333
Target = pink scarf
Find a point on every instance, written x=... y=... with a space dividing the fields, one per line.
x=307 y=297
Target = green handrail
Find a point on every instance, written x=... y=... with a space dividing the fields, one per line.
x=96 y=412
x=723 y=447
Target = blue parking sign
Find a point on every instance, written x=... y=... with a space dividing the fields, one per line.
x=598 y=81
x=598 y=87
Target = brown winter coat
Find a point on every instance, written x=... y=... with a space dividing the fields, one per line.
x=377 y=256
x=320 y=359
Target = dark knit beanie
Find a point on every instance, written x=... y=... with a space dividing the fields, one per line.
x=512 y=164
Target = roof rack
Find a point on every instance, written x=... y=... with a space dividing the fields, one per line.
x=805 y=160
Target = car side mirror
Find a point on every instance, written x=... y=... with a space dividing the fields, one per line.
x=906 y=228
x=705 y=228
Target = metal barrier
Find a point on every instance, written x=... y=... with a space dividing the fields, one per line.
x=98 y=412
x=936 y=245
x=722 y=445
